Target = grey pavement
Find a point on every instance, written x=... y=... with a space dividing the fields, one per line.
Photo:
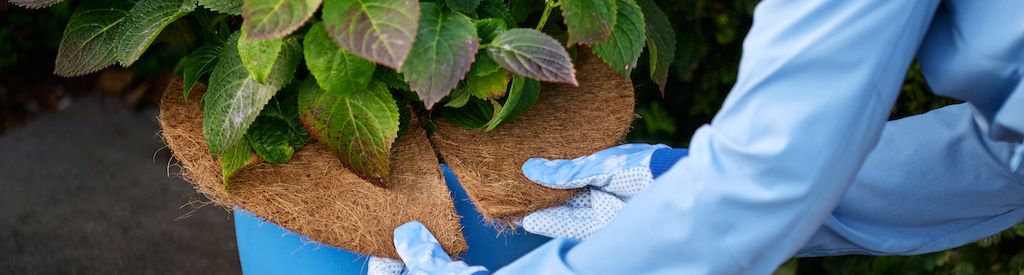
x=86 y=191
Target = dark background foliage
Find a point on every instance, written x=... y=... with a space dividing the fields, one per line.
x=709 y=35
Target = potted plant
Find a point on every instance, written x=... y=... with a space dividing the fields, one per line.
x=329 y=117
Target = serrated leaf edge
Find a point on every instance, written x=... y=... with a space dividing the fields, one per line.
x=280 y=33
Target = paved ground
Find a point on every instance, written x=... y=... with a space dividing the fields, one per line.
x=86 y=190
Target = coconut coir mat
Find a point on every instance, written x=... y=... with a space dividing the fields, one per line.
x=314 y=194
x=566 y=122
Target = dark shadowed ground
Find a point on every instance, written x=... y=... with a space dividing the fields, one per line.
x=86 y=190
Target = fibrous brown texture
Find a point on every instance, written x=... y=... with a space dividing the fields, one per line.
x=566 y=122
x=313 y=194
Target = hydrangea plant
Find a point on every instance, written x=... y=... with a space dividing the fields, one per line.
x=281 y=73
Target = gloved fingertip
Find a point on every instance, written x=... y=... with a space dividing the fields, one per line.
x=540 y=170
x=412 y=234
x=525 y=220
x=519 y=221
x=537 y=159
x=413 y=227
x=413 y=241
x=537 y=163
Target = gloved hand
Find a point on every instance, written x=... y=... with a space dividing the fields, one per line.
x=384 y=266
x=421 y=254
x=610 y=177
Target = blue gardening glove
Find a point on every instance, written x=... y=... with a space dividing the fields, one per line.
x=422 y=254
x=610 y=177
x=384 y=266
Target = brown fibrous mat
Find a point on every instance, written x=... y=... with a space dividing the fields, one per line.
x=313 y=194
x=566 y=122
x=316 y=196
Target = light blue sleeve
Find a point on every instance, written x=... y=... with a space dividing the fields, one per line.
x=935 y=181
x=816 y=83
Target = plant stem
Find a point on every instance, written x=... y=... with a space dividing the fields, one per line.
x=549 y=5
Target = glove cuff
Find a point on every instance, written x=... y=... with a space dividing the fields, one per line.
x=664 y=158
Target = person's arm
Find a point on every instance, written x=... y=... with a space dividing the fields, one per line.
x=934 y=182
x=816 y=83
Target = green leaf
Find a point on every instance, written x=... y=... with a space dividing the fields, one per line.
x=277 y=132
x=458 y=98
x=496 y=9
x=90 y=39
x=489 y=28
x=360 y=125
x=233 y=159
x=199 y=63
x=465 y=6
x=35 y=4
x=533 y=54
x=233 y=7
x=145 y=21
x=391 y=78
x=334 y=68
x=474 y=115
x=272 y=19
x=178 y=68
x=259 y=56
x=234 y=98
x=523 y=94
x=624 y=47
x=404 y=116
x=442 y=54
x=493 y=85
x=484 y=65
x=521 y=9
x=589 y=21
x=382 y=31
x=661 y=42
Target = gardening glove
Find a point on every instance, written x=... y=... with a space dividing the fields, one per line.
x=384 y=266
x=422 y=254
x=610 y=178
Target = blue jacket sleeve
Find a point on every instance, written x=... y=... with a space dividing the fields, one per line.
x=816 y=83
x=934 y=182
x=909 y=196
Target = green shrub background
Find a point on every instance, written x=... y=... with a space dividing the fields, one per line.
x=709 y=35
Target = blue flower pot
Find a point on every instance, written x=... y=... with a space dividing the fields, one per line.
x=265 y=248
